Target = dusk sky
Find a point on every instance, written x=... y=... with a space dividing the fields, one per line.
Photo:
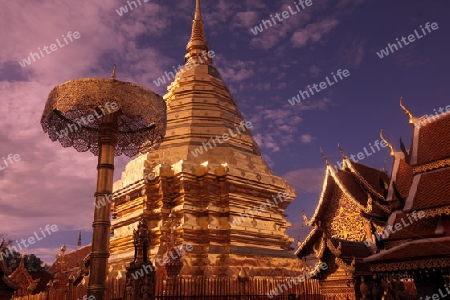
x=55 y=185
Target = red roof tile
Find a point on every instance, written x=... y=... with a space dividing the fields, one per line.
x=72 y=258
x=429 y=248
x=404 y=178
x=412 y=229
x=434 y=140
x=372 y=176
x=433 y=190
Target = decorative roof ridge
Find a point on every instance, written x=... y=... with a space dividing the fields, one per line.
x=350 y=268
x=431 y=166
x=430 y=119
x=316 y=270
x=407 y=112
x=433 y=212
x=328 y=170
x=335 y=250
x=362 y=179
x=306 y=241
x=323 y=242
x=392 y=153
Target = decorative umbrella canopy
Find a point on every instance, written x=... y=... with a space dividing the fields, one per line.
x=74 y=110
x=109 y=118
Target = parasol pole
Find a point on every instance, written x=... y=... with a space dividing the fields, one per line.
x=107 y=142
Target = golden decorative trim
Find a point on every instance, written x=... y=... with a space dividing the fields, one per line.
x=363 y=181
x=346 y=192
x=334 y=250
x=407 y=111
x=319 y=252
x=322 y=196
x=349 y=268
x=444 y=210
x=305 y=218
x=389 y=144
x=411 y=265
x=303 y=244
x=431 y=166
x=369 y=207
x=315 y=270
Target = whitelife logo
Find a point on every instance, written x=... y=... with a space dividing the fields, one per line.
x=11 y=158
x=199 y=150
x=285 y=14
x=71 y=36
x=323 y=85
x=31 y=240
x=179 y=252
x=414 y=216
x=109 y=108
x=411 y=38
x=184 y=68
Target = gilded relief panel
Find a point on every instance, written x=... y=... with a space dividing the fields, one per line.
x=345 y=220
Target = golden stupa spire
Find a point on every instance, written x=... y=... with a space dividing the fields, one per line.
x=198 y=13
x=389 y=144
x=407 y=111
x=113 y=74
x=197 y=48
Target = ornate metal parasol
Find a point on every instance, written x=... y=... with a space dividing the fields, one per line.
x=108 y=118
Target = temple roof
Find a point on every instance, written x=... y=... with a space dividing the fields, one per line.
x=71 y=259
x=422 y=179
x=365 y=193
x=430 y=249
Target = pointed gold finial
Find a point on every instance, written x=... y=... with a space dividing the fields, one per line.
x=407 y=111
x=197 y=48
x=113 y=75
x=305 y=217
x=324 y=156
x=341 y=150
x=198 y=13
x=389 y=144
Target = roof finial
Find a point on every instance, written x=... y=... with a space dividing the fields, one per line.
x=324 y=156
x=113 y=75
x=389 y=144
x=197 y=48
x=407 y=111
x=341 y=150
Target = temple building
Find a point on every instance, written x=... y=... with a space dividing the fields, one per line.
x=416 y=246
x=207 y=186
x=351 y=206
x=386 y=235
x=18 y=282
